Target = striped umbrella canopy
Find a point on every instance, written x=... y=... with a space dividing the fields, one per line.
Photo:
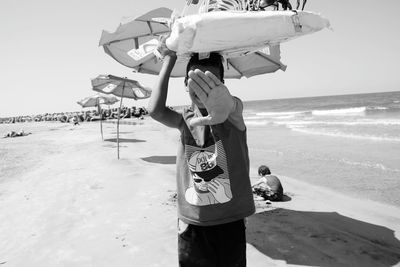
x=122 y=87
x=97 y=99
x=134 y=40
x=266 y=60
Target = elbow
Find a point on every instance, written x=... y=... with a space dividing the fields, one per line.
x=150 y=110
x=154 y=112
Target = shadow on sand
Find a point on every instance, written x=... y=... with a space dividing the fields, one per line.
x=322 y=239
x=161 y=159
x=124 y=140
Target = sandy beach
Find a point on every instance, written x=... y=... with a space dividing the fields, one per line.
x=66 y=200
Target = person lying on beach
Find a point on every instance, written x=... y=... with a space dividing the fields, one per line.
x=16 y=134
x=213 y=184
x=268 y=186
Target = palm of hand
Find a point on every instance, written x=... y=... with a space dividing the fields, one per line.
x=218 y=191
x=219 y=104
x=214 y=95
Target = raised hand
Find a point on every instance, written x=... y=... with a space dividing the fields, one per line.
x=214 y=95
x=162 y=50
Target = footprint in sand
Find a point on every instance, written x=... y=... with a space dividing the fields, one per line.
x=123 y=240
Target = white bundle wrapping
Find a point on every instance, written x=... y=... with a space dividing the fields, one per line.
x=226 y=31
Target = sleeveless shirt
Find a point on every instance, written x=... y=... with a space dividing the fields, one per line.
x=213 y=183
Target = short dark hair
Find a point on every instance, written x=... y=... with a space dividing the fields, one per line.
x=263 y=170
x=214 y=59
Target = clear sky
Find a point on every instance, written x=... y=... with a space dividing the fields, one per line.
x=49 y=52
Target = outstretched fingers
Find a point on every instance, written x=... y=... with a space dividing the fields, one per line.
x=201 y=94
x=212 y=79
x=200 y=78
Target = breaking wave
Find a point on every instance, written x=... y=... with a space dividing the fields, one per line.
x=341 y=112
x=346 y=135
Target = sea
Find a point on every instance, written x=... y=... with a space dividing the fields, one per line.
x=348 y=143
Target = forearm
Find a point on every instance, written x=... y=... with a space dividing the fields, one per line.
x=157 y=105
x=158 y=97
x=236 y=116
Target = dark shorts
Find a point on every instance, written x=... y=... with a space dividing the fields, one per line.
x=213 y=246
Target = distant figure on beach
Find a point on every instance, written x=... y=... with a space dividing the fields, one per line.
x=16 y=134
x=74 y=120
x=268 y=186
x=213 y=184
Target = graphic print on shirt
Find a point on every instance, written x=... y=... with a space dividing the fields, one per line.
x=209 y=172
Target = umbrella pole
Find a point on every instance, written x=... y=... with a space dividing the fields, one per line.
x=101 y=121
x=119 y=115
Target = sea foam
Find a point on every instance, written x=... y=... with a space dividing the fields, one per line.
x=341 y=112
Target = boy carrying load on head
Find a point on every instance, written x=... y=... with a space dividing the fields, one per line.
x=213 y=184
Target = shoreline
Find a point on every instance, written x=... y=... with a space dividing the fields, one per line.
x=337 y=164
x=73 y=203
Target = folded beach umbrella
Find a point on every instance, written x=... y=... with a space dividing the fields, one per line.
x=95 y=101
x=122 y=87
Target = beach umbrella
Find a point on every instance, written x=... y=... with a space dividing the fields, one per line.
x=122 y=87
x=95 y=101
x=259 y=62
x=133 y=43
x=134 y=40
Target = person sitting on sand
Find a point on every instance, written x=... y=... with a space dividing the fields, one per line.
x=74 y=120
x=268 y=186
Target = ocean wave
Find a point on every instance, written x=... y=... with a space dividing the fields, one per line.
x=345 y=123
x=258 y=123
x=251 y=118
x=369 y=165
x=377 y=108
x=345 y=135
x=354 y=111
x=341 y=112
x=272 y=115
x=279 y=114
